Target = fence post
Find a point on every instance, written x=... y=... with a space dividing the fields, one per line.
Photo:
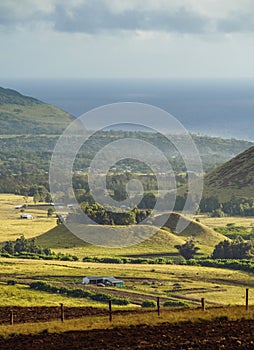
x=110 y=310
x=247 y=299
x=158 y=305
x=62 y=312
x=203 y=304
x=11 y=317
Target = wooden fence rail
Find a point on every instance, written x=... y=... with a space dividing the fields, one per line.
x=158 y=309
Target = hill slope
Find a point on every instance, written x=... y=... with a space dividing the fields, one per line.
x=235 y=177
x=163 y=242
x=202 y=234
x=61 y=238
x=21 y=114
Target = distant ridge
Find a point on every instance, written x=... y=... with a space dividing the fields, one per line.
x=21 y=114
x=9 y=96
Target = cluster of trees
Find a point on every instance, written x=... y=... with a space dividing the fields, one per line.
x=28 y=248
x=103 y=216
x=233 y=207
x=24 y=245
x=236 y=249
x=25 y=159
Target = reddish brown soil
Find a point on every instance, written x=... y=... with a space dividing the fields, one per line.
x=227 y=335
x=44 y=314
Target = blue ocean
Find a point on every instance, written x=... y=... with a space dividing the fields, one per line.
x=215 y=107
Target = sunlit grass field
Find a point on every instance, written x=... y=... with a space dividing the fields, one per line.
x=22 y=295
x=221 y=286
x=219 y=222
x=12 y=227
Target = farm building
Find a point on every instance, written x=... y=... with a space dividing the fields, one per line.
x=108 y=280
x=21 y=206
x=26 y=216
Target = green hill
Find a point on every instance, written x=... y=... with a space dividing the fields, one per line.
x=234 y=178
x=62 y=239
x=21 y=114
x=203 y=235
x=161 y=243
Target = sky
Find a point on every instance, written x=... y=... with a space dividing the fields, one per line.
x=126 y=38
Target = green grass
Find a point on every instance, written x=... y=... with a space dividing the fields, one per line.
x=221 y=286
x=222 y=222
x=206 y=238
x=195 y=282
x=22 y=295
x=60 y=239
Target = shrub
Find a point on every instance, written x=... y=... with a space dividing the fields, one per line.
x=39 y=285
x=148 y=303
x=11 y=282
x=79 y=293
x=112 y=260
x=100 y=297
x=175 y=303
x=120 y=301
x=64 y=290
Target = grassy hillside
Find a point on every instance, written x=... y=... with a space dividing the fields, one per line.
x=232 y=178
x=161 y=243
x=204 y=236
x=25 y=115
x=59 y=238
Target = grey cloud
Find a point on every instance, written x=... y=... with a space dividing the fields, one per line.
x=242 y=22
x=10 y=16
x=94 y=17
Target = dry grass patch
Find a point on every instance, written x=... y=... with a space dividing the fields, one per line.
x=149 y=318
x=12 y=227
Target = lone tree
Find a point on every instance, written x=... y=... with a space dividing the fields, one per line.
x=188 y=249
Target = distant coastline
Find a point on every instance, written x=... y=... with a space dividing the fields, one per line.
x=215 y=107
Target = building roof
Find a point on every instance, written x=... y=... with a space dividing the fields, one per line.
x=109 y=278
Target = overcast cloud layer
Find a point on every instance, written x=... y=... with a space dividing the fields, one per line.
x=216 y=36
x=93 y=16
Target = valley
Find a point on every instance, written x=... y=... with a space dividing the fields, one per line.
x=201 y=275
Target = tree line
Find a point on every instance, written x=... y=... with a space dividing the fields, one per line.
x=238 y=248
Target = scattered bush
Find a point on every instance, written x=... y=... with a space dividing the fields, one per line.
x=125 y=260
x=120 y=301
x=148 y=303
x=175 y=303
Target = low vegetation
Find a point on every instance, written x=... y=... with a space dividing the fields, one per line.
x=148 y=303
x=77 y=293
x=28 y=249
